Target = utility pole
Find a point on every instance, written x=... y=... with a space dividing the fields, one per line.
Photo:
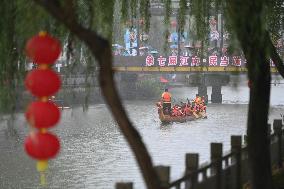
x=178 y=32
x=138 y=28
x=217 y=26
x=221 y=33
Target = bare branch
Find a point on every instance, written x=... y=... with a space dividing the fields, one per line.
x=101 y=49
x=275 y=56
x=82 y=33
x=69 y=7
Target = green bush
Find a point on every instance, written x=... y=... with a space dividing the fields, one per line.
x=149 y=89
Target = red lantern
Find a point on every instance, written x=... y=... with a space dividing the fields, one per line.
x=43 y=49
x=42 y=114
x=42 y=82
x=42 y=146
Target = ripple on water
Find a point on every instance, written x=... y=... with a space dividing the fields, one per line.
x=94 y=154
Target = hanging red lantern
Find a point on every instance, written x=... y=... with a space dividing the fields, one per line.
x=42 y=82
x=42 y=114
x=42 y=146
x=43 y=49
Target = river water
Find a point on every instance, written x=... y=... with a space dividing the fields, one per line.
x=95 y=155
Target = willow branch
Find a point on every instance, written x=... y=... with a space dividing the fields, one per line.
x=69 y=7
x=101 y=49
x=275 y=56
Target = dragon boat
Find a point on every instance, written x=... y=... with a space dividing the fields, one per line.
x=168 y=118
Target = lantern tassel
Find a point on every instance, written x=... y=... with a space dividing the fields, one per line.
x=43 y=66
x=42 y=33
x=42 y=179
x=41 y=168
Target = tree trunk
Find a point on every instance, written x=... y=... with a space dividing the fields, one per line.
x=257 y=131
x=252 y=37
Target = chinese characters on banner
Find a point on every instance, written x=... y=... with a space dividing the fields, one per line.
x=192 y=61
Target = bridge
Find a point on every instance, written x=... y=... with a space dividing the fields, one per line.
x=186 y=64
x=200 y=72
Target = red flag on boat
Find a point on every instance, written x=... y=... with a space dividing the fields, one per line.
x=163 y=80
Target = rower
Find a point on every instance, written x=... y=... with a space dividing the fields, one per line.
x=167 y=101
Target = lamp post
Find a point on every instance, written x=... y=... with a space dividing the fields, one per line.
x=178 y=39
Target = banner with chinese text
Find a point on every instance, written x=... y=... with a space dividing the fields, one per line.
x=191 y=61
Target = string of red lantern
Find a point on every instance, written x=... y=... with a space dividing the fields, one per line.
x=42 y=114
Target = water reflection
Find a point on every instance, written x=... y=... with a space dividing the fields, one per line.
x=166 y=126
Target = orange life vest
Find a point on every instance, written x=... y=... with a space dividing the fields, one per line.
x=166 y=96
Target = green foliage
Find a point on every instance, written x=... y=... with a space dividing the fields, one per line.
x=145 y=13
x=85 y=11
x=124 y=10
x=17 y=24
x=22 y=19
x=275 y=13
x=100 y=12
x=181 y=15
x=133 y=8
x=149 y=88
x=168 y=10
x=8 y=98
x=167 y=5
x=200 y=10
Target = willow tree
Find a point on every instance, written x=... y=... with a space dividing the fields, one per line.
x=91 y=22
